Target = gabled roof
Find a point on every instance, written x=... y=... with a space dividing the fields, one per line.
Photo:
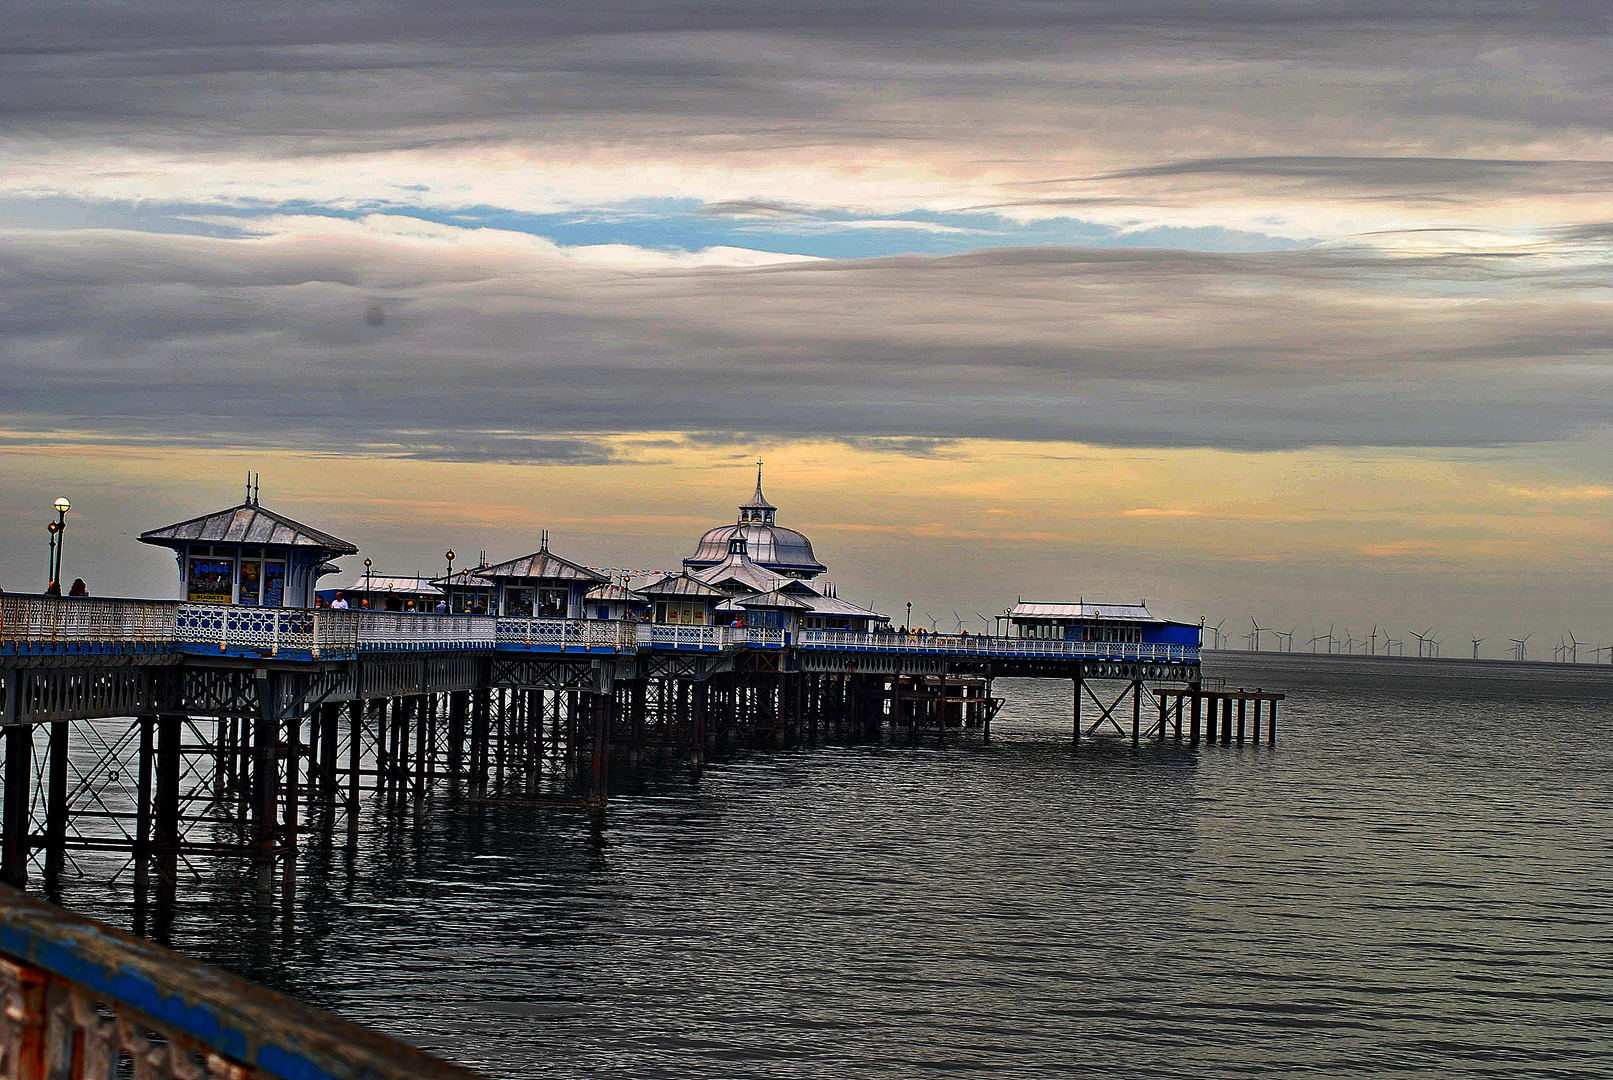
x=612 y=591
x=682 y=585
x=742 y=572
x=833 y=605
x=378 y=583
x=542 y=565
x=1081 y=610
x=464 y=579
x=774 y=599
x=248 y=523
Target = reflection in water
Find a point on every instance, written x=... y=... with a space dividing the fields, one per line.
x=1409 y=884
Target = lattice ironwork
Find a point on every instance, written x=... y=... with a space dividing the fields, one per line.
x=46 y=694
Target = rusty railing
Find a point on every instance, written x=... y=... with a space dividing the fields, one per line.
x=79 y=999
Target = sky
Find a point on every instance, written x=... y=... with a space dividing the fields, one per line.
x=1294 y=312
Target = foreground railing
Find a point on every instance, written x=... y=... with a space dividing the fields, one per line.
x=84 y=1000
x=32 y=623
x=981 y=645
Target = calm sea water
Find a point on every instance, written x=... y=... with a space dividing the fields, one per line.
x=1414 y=883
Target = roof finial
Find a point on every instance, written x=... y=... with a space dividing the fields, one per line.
x=544 y=545
x=255 y=478
x=248 y=499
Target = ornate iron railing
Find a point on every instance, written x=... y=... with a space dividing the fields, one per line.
x=59 y=623
x=80 y=999
x=610 y=635
x=981 y=645
x=417 y=631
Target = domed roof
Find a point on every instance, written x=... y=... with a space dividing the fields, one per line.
x=767 y=544
x=772 y=546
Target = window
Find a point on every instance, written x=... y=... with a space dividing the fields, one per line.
x=251 y=581
x=209 y=580
x=518 y=602
x=680 y=612
x=554 y=603
x=274 y=584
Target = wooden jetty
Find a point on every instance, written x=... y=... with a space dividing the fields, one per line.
x=247 y=720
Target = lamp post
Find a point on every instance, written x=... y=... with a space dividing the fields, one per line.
x=910 y=616
x=366 y=580
x=449 y=580
x=58 y=540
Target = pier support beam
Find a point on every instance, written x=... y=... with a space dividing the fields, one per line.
x=14 y=826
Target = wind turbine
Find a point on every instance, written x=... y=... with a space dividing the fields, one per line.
x=1349 y=641
x=1433 y=643
x=1476 y=647
x=1290 y=637
x=1422 y=640
x=1518 y=645
x=1216 y=630
x=1312 y=642
x=1374 y=639
x=1573 y=648
x=1254 y=638
x=1390 y=644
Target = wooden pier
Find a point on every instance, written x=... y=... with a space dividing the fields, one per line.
x=1210 y=715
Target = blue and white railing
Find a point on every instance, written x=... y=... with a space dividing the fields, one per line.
x=982 y=645
x=47 y=624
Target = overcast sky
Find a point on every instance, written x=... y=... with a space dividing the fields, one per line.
x=1327 y=283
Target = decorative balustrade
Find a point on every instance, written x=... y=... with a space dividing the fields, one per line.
x=80 y=999
x=84 y=624
x=982 y=645
x=562 y=634
x=422 y=631
x=37 y=624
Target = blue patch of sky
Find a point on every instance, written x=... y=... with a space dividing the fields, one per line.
x=672 y=225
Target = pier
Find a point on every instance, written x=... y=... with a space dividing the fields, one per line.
x=252 y=718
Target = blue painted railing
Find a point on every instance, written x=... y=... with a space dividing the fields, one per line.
x=37 y=624
x=79 y=997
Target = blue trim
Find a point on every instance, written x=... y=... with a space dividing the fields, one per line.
x=133 y=988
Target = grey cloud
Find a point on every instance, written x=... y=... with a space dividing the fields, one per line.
x=1469 y=173
x=482 y=357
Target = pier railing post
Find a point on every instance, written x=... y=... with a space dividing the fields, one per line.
x=1193 y=718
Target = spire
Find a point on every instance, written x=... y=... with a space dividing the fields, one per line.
x=758 y=511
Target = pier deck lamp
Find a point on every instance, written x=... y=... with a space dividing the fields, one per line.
x=910 y=616
x=58 y=540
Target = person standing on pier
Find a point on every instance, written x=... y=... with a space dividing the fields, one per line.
x=340 y=603
x=79 y=588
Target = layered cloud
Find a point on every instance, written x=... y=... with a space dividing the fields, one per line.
x=491 y=231
x=399 y=336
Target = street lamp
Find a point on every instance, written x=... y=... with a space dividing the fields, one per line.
x=910 y=616
x=449 y=580
x=57 y=541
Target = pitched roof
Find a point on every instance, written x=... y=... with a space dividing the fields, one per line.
x=378 y=583
x=611 y=591
x=544 y=565
x=248 y=523
x=682 y=585
x=1081 y=610
x=774 y=599
x=833 y=605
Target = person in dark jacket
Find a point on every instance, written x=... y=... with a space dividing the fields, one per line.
x=79 y=588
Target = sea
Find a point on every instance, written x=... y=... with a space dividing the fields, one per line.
x=1414 y=881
